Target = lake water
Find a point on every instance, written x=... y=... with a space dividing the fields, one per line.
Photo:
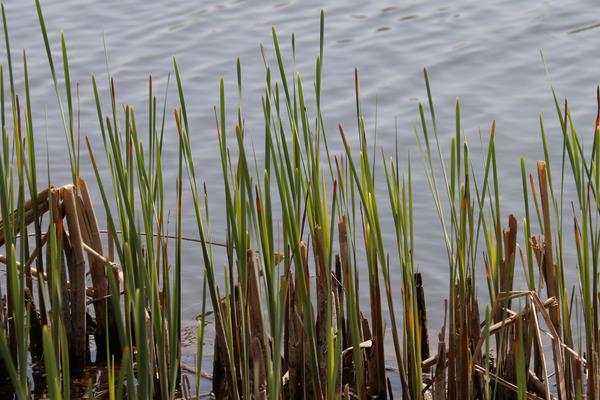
x=487 y=54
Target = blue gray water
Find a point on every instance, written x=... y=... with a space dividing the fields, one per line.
x=486 y=54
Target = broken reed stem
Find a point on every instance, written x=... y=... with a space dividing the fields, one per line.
x=91 y=235
x=422 y=310
x=498 y=326
x=556 y=350
x=78 y=342
x=504 y=383
x=257 y=334
x=34 y=255
x=540 y=357
x=549 y=272
x=28 y=212
x=549 y=269
x=88 y=230
x=322 y=298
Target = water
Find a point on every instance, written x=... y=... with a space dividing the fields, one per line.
x=488 y=54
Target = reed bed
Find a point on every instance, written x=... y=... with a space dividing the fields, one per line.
x=304 y=241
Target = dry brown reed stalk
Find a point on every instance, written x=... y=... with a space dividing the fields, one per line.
x=78 y=340
x=422 y=316
x=295 y=378
x=544 y=255
x=294 y=348
x=322 y=316
x=540 y=385
x=439 y=377
x=77 y=230
x=548 y=267
x=254 y=311
x=42 y=203
x=376 y=383
x=91 y=237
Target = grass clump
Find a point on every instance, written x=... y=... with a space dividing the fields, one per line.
x=304 y=227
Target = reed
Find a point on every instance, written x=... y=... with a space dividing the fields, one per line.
x=304 y=236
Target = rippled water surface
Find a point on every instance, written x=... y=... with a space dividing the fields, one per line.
x=489 y=55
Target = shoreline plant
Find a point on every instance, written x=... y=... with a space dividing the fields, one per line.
x=289 y=318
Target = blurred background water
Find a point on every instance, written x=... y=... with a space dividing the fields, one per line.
x=488 y=54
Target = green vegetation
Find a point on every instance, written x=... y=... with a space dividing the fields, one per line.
x=286 y=308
